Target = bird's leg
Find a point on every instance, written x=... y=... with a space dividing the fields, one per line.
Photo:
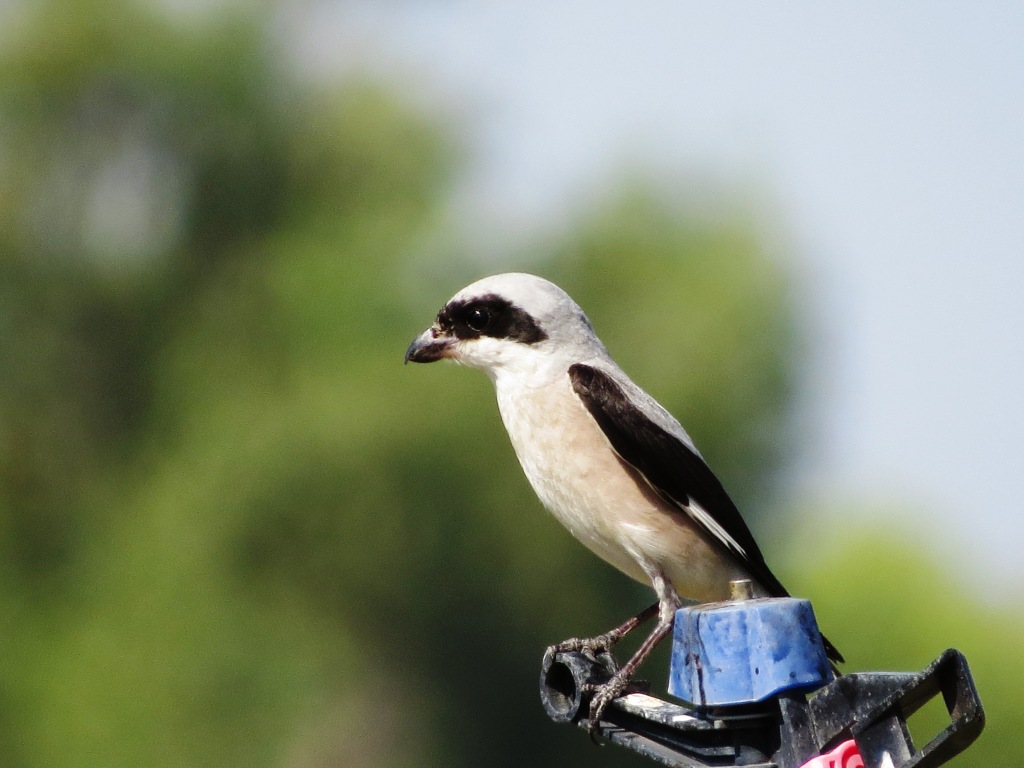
x=605 y=642
x=668 y=603
x=620 y=681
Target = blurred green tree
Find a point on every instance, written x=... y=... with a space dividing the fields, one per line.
x=233 y=530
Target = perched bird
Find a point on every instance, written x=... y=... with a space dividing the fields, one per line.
x=611 y=464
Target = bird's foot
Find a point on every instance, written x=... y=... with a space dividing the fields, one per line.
x=592 y=646
x=620 y=683
x=602 y=645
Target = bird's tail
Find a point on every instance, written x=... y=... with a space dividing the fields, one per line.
x=834 y=656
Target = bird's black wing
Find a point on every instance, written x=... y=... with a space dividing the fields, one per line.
x=675 y=472
x=672 y=468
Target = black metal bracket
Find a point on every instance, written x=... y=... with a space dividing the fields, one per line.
x=783 y=732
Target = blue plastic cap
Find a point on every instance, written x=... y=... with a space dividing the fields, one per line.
x=746 y=651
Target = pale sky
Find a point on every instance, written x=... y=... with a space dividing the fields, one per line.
x=887 y=143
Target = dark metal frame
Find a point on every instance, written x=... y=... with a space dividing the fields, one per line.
x=783 y=732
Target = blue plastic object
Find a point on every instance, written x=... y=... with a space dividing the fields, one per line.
x=746 y=651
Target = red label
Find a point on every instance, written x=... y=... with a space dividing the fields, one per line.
x=846 y=755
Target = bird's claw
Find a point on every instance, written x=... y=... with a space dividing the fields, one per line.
x=591 y=646
x=604 y=694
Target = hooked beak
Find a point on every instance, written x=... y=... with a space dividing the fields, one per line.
x=428 y=347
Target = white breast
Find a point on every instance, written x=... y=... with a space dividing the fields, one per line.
x=571 y=467
x=604 y=503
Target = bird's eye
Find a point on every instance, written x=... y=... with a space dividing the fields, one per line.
x=478 y=318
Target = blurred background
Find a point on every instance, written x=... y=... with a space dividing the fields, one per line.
x=234 y=530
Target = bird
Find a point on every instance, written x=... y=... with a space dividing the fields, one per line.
x=603 y=456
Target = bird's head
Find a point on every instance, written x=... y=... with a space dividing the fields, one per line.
x=512 y=321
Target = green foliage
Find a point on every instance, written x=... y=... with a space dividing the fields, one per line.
x=233 y=529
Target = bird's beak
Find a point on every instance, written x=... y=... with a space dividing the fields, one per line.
x=429 y=346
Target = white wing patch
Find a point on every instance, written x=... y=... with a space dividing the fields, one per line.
x=708 y=522
x=697 y=513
